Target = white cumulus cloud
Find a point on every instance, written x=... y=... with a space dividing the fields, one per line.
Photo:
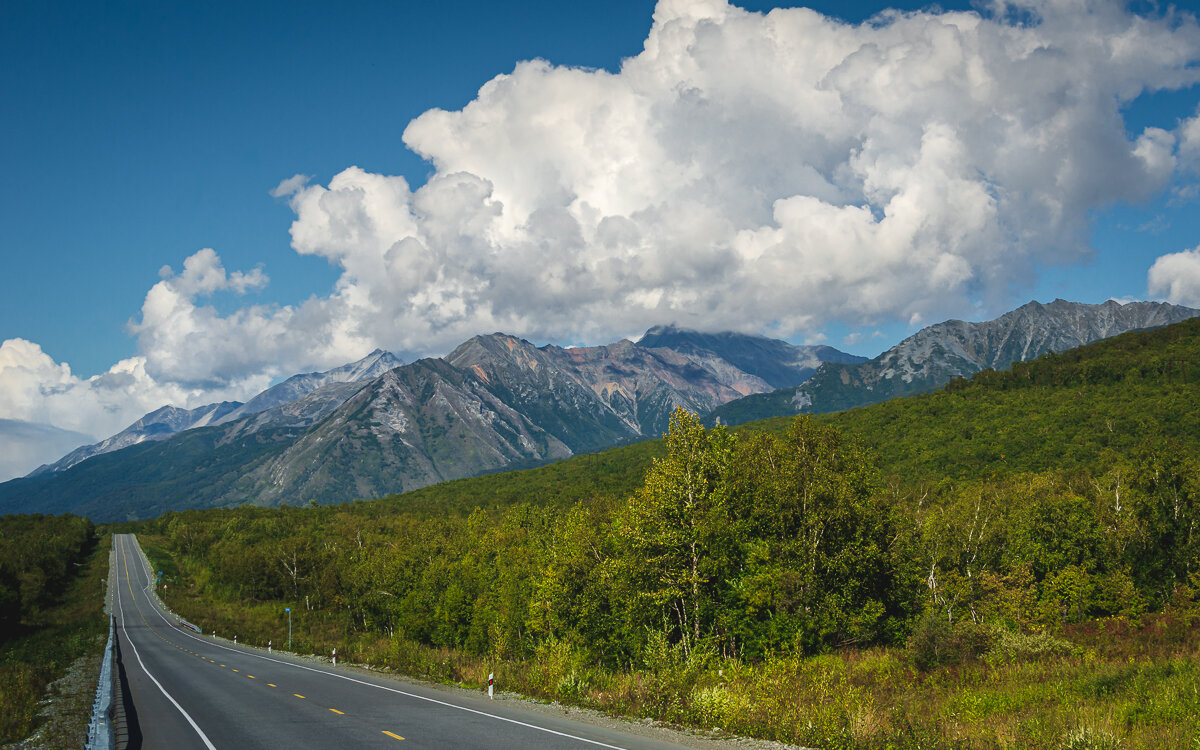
x=37 y=390
x=762 y=172
x=191 y=344
x=1176 y=277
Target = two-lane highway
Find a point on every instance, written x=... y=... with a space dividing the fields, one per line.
x=192 y=692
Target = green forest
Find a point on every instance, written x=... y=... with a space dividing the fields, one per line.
x=1011 y=562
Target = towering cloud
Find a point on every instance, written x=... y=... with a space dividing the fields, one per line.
x=759 y=171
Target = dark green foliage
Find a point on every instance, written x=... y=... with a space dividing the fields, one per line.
x=38 y=557
x=613 y=474
x=817 y=570
x=51 y=600
x=678 y=537
x=713 y=552
x=753 y=408
x=936 y=642
x=1166 y=481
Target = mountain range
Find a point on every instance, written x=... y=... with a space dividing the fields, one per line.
x=161 y=424
x=498 y=402
x=940 y=353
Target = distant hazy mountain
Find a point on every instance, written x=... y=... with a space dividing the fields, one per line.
x=590 y=397
x=936 y=355
x=775 y=362
x=496 y=402
x=157 y=425
x=24 y=444
x=170 y=420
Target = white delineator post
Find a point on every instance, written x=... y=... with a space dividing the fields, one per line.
x=335 y=657
x=268 y=647
x=491 y=684
x=235 y=640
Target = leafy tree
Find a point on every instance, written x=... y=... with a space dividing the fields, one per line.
x=676 y=537
x=818 y=537
x=1167 y=504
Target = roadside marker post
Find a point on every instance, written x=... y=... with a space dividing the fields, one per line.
x=491 y=683
x=289 y=611
x=335 y=657
x=268 y=647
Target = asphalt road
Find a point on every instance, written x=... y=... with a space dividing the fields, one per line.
x=194 y=692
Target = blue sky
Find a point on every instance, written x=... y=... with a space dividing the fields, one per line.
x=138 y=133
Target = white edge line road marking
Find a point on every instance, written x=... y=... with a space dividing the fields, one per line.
x=158 y=684
x=381 y=687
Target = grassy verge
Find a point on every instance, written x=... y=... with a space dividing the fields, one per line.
x=59 y=636
x=1108 y=684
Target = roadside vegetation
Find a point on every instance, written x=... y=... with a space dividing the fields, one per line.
x=51 y=613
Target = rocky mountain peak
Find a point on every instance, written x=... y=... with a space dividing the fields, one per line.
x=936 y=355
x=157 y=425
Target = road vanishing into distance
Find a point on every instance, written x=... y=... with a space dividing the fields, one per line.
x=193 y=692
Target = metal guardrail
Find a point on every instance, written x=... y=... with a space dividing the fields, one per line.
x=194 y=628
x=101 y=734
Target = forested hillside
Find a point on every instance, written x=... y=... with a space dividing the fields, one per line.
x=1059 y=411
x=1078 y=409
x=991 y=525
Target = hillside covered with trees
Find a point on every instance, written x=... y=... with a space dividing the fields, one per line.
x=991 y=526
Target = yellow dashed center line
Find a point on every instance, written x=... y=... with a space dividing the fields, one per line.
x=213 y=661
x=389 y=734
